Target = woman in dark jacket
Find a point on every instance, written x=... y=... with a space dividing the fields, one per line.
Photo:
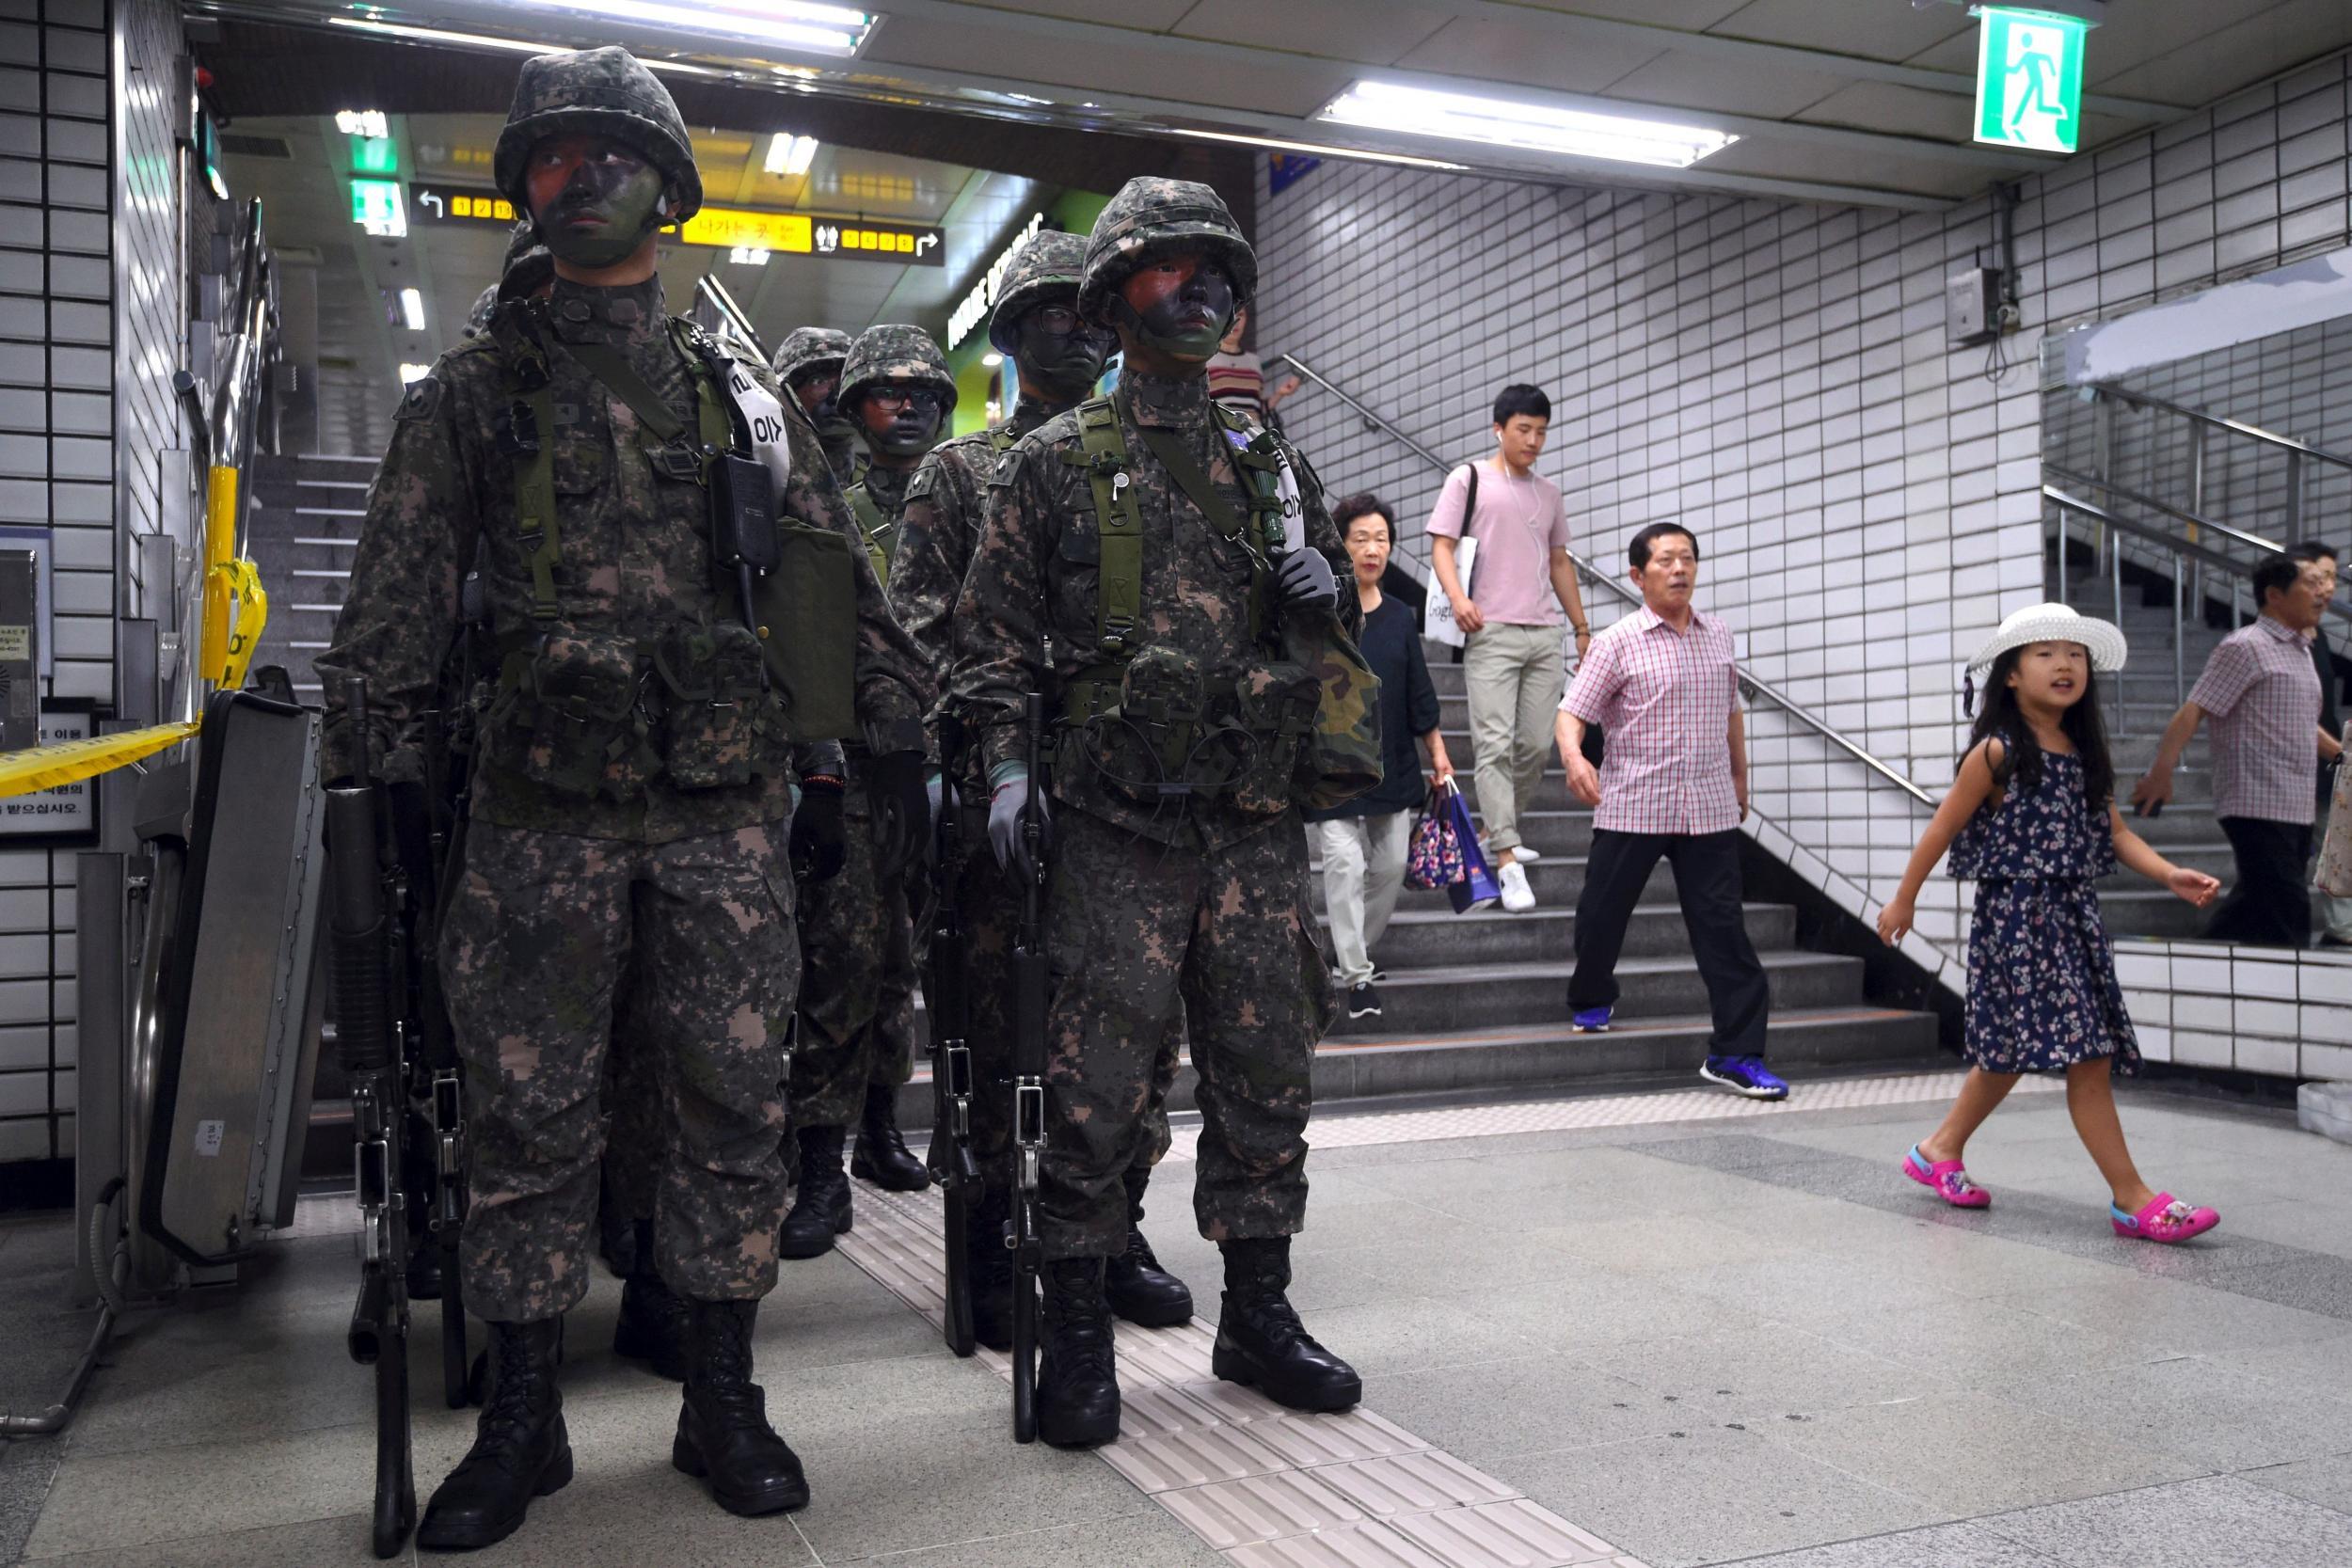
x=1365 y=841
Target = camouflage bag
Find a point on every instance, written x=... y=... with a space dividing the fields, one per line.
x=807 y=612
x=1280 y=707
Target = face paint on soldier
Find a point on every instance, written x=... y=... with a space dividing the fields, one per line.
x=597 y=203
x=817 y=392
x=1176 y=310
x=901 y=424
x=1060 y=356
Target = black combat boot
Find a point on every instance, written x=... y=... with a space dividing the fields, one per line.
x=723 y=1432
x=520 y=1450
x=652 y=1324
x=1077 y=1374
x=821 y=1210
x=1137 y=1286
x=1260 y=1339
x=881 y=1156
x=988 y=1263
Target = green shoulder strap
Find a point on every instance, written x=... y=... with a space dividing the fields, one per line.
x=1260 y=464
x=1119 y=523
x=1001 y=438
x=671 y=451
x=533 y=450
x=715 y=413
x=876 y=528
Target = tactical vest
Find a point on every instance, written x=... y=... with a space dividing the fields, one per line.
x=882 y=534
x=1298 y=729
x=709 y=707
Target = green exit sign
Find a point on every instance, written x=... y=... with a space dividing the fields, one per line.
x=2029 y=79
x=374 y=155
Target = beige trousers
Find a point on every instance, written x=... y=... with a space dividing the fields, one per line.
x=1515 y=676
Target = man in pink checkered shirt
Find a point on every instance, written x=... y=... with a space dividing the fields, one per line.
x=2261 y=691
x=1673 y=783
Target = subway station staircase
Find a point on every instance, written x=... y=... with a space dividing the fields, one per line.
x=303 y=528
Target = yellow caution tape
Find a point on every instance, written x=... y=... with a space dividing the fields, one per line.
x=235 y=584
x=71 y=761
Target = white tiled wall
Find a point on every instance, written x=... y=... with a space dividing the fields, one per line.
x=1776 y=376
x=89 y=339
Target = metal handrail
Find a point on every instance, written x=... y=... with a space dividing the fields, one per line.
x=2236 y=427
x=2165 y=539
x=2251 y=540
x=1751 y=685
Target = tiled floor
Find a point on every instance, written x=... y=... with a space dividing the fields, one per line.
x=1588 y=1332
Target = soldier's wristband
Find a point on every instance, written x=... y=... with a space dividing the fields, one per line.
x=823 y=783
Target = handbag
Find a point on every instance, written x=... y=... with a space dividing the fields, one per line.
x=1434 y=859
x=2334 y=876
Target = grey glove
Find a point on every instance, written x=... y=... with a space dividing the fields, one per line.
x=1306 y=582
x=1006 y=804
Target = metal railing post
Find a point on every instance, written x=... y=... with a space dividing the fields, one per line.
x=2180 y=631
x=2295 y=495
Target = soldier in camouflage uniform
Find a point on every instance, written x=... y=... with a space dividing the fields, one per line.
x=632 y=781
x=856 y=1042
x=1147 y=621
x=809 y=364
x=527 y=273
x=1057 y=359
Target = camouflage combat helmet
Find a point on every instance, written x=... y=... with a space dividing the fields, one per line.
x=891 y=353
x=809 y=348
x=1149 y=218
x=606 y=92
x=1050 y=263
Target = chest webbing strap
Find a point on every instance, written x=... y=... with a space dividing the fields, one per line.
x=881 y=533
x=676 y=455
x=1119 y=526
x=528 y=435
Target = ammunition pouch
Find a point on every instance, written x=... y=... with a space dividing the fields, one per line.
x=718 y=729
x=564 y=717
x=1277 y=705
x=808 y=632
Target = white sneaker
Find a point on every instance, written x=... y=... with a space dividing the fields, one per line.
x=1527 y=854
x=1517 y=897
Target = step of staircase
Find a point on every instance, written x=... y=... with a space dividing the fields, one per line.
x=1438 y=939
x=304 y=530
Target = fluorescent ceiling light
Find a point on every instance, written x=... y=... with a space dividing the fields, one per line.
x=483 y=40
x=414 y=373
x=788 y=23
x=1537 y=127
x=790 y=155
x=412 y=308
x=1317 y=148
x=748 y=255
x=991 y=359
x=363 y=122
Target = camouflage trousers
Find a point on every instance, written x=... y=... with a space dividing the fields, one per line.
x=542 y=929
x=858 y=980
x=635 y=1134
x=990 y=906
x=1138 y=931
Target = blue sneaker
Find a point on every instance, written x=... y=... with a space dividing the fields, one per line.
x=1745 y=1075
x=1592 y=1021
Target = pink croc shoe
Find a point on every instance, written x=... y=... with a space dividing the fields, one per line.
x=1949 y=1179
x=2166 y=1219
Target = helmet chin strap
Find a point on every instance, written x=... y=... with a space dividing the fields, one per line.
x=1200 y=345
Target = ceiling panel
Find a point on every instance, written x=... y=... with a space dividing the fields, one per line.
x=1874 y=29
x=1282 y=84
x=1502 y=51
x=1373 y=30
x=1727 y=86
x=1907 y=111
x=1837 y=166
x=1692 y=15
x=1155 y=15
x=2225 y=57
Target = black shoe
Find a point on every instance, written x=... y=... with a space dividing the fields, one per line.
x=881 y=1156
x=424 y=1266
x=723 y=1432
x=821 y=1210
x=1077 y=1374
x=520 y=1450
x=1137 y=1289
x=988 y=1263
x=652 y=1326
x=1362 y=1000
x=1261 y=1342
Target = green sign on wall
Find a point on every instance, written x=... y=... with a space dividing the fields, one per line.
x=2029 y=80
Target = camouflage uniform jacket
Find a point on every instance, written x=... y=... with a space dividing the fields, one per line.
x=1036 y=574
x=938 y=530
x=634 y=559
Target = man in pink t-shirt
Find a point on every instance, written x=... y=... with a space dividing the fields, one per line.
x=1522 y=584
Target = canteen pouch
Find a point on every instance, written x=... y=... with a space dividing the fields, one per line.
x=719 y=728
x=808 y=631
x=1276 y=707
x=1142 y=748
x=1340 y=757
x=564 y=717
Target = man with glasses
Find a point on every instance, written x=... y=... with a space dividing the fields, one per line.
x=856 y=1043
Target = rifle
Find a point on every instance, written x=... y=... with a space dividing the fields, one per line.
x=948 y=991
x=368 y=1032
x=1029 y=977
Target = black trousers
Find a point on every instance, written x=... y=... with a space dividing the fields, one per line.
x=2271 y=905
x=1707 y=878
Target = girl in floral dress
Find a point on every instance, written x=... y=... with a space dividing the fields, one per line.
x=2032 y=818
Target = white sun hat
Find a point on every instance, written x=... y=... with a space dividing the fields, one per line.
x=2054 y=622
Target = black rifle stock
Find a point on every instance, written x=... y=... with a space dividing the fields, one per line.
x=368 y=1032
x=947 y=994
x=1030 y=977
